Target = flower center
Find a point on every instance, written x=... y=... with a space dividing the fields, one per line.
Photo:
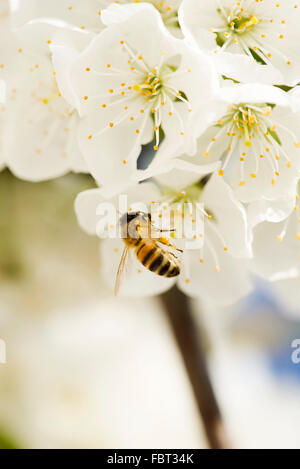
x=184 y=213
x=250 y=30
x=151 y=86
x=247 y=122
x=168 y=11
x=252 y=129
x=237 y=26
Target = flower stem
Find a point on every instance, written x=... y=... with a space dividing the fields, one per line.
x=187 y=335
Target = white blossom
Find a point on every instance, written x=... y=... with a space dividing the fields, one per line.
x=256 y=137
x=40 y=127
x=252 y=40
x=276 y=241
x=212 y=265
x=135 y=82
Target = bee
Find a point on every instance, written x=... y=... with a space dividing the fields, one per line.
x=136 y=230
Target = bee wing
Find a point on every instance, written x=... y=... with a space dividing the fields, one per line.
x=122 y=269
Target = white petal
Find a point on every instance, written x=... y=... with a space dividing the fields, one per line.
x=230 y=215
x=40 y=140
x=274 y=260
x=112 y=152
x=180 y=173
x=278 y=39
x=245 y=69
x=273 y=211
x=254 y=93
x=62 y=58
x=87 y=202
x=191 y=14
x=81 y=15
x=201 y=280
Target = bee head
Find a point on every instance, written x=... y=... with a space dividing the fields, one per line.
x=133 y=221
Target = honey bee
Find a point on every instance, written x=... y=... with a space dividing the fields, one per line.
x=136 y=229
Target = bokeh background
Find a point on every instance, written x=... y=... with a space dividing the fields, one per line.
x=87 y=370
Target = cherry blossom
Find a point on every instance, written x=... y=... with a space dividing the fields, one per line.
x=40 y=134
x=135 y=82
x=256 y=137
x=260 y=39
x=212 y=265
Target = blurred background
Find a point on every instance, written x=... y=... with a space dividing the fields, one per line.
x=86 y=370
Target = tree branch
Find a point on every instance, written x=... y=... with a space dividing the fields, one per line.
x=187 y=334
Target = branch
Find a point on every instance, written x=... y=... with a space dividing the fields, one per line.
x=187 y=334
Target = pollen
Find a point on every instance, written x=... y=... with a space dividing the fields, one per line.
x=111 y=124
x=221 y=172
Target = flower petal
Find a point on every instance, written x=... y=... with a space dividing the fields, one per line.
x=87 y=202
x=201 y=280
x=84 y=16
x=228 y=212
x=275 y=256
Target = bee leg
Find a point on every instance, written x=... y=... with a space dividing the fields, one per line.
x=166 y=242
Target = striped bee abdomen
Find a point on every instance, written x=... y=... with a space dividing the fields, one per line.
x=156 y=259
